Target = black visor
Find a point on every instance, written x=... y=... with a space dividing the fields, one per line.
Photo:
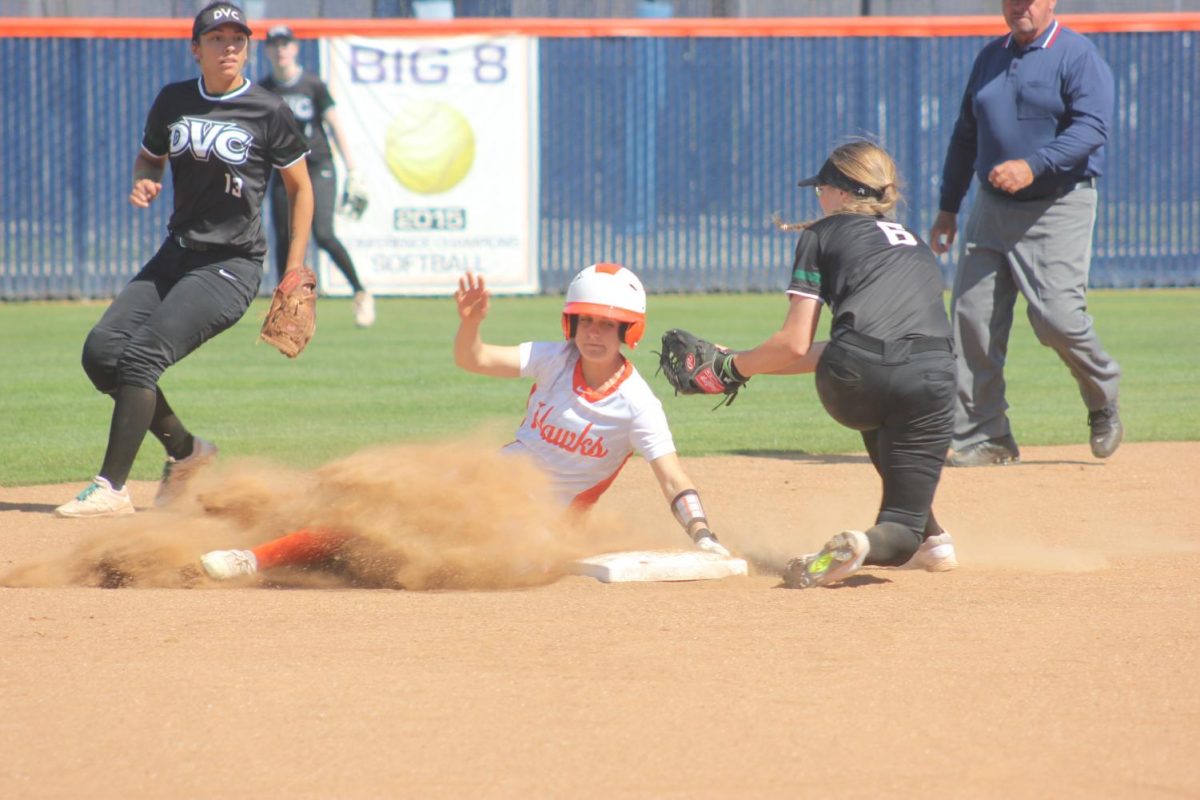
x=830 y=175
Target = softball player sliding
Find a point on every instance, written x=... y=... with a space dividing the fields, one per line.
x=587 y=413
x=222 y=136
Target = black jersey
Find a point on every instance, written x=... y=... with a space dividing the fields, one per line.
x=876 y=276
x=309 y=99
x=222 y=149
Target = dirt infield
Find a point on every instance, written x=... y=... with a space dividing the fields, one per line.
x=1061 y=660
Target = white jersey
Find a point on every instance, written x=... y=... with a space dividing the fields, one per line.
x=578 y=437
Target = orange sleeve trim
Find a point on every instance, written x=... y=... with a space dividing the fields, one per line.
x=742 y=27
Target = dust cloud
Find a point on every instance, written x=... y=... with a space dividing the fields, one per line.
x=450 y=515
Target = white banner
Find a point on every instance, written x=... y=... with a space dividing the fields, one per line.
x=444 y=134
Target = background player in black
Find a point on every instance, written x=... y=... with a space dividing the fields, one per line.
x=222 y=136
x=888 y=368
x=313 y=108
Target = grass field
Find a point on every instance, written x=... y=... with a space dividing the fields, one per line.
x=397 y=381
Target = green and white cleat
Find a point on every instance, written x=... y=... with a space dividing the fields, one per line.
x=840 y=558
x=99 y=499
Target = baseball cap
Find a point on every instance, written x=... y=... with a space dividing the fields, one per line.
x=214 y=15
x=830 y=175
x=280 y=33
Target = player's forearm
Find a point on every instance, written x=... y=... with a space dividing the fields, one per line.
x=146 y=169
x=300 y=214
x=475 y=355
x=781 y=351
x=680 y=493
x=339 y=138
x=468 y=346
x=804 y=364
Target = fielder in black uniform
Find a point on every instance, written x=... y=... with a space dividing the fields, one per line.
x=313 y=108
x=222 y=136
x=888 y=368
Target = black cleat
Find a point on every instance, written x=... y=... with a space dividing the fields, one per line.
x=1107 y=431
x=1001 y=450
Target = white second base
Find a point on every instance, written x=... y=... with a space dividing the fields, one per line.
x=659 y=565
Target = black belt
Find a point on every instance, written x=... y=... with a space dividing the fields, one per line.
x=923 y=344
x=1086 y=183
x=1061 y=191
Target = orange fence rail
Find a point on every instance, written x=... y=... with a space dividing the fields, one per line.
x=122 y=28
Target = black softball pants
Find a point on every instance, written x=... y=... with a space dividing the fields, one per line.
x=900 y=395
x=324 y=183
x=178 y=301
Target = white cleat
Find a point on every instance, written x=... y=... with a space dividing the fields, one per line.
x=364 y=309
x=99 y=499
x=178 y=471
x=936 y=554
x=840 y=558
x=224 y=565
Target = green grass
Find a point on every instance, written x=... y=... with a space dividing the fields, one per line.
x=397 y=382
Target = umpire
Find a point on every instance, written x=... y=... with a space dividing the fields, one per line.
x=1033 y=123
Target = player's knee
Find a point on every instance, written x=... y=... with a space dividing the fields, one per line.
x=139 y=367
x=101 y=351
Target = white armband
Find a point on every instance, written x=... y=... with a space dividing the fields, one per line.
x=687 y=508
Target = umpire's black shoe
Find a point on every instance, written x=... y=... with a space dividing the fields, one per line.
x=1107 y=431
x=991 y=452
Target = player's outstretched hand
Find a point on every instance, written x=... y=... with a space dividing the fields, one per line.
x=144 y=192
x=472 y=298
x=707 y=540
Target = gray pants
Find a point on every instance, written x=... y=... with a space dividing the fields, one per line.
x=1043 y=249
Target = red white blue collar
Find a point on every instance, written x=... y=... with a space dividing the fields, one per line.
x=1047 y=38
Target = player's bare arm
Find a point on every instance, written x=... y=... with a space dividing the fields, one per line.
x=806 y=363
x=339 y=138
x=942 y=232
x=470 y=351
x=788 y=346
x=147 y=179
x=681 y=493
x=673 y=480
x=300 y=214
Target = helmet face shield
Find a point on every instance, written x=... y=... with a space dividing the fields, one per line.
x=607 y=291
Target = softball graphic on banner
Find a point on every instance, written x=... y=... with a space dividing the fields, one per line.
x=443 y=131
x=430 y=146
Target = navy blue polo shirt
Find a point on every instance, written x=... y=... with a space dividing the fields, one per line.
x=1049 y=103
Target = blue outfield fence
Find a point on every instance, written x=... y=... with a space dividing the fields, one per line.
x=668 y=154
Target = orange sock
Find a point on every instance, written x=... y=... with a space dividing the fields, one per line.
x=300 y=548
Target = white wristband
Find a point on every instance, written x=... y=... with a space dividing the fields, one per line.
x=687 y=508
